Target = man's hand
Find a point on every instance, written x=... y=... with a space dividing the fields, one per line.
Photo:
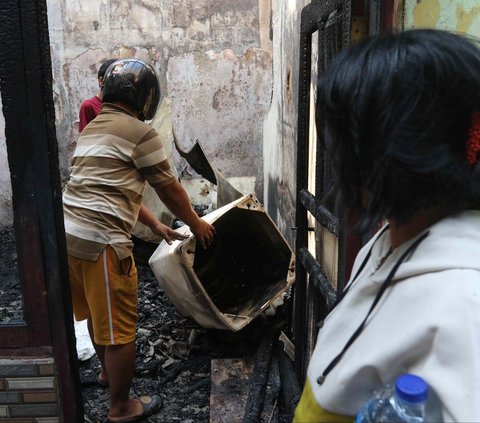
x=176 y=199
x=167 y=233
x=204 y=233
x=146 y=217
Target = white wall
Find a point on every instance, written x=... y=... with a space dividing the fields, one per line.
x=280 y=127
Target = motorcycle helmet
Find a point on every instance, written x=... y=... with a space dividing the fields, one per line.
x=134 y=83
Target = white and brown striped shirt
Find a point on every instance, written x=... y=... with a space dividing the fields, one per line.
x=114 y=158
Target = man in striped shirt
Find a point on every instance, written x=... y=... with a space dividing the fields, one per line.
x=116 y=155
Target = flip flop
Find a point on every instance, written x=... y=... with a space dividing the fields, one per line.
x=150 y=406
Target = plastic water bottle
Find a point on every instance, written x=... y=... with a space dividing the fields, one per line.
x=406 y=402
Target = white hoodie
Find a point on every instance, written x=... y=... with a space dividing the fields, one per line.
x=426 y=323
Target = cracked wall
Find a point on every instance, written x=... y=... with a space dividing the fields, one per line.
x=222 y=40
x=233 y=104
x=221 y=97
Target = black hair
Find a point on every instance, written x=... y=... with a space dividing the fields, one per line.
x=395 y=111
x=103 y=68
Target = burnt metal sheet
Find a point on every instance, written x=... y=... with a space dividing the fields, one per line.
x=196 y=157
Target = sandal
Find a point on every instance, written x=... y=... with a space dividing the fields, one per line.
x=150 y=406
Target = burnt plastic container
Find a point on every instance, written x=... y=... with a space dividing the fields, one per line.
x=248 y=269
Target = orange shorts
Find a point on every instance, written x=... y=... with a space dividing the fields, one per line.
x=106 y=291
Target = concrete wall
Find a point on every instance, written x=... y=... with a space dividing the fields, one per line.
x=214 y=59
x=210 y=57
x=215 y=64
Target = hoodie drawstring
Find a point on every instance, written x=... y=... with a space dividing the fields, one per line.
x=383 y=288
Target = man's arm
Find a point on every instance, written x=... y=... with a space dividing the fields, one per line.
x=146 y=217
x=175 y=197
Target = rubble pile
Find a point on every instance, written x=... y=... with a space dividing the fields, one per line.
x=173 y=358
x=167 y=362
x=174 y=354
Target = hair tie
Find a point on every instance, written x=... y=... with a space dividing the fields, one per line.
x=473 y=142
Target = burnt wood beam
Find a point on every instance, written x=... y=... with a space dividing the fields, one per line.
x=300 y=297
x=256 y=395
x=319 y=277
x=291 y=389
x=319 y=212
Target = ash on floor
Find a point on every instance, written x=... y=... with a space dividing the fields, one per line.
x=173 y=358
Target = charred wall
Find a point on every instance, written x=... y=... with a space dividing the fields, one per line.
x=280 y=133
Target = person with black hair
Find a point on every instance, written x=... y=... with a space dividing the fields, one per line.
x=399 y=114
x=117 y=154
x=90 y=108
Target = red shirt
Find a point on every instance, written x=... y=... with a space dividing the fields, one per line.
x=89 y=109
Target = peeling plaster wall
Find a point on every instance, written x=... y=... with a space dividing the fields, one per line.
x=214 y=59
x=280 y=127
x=455 y=15
x=222 y=39
x=226 y=112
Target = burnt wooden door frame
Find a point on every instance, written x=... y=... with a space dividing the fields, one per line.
x=315 y=294
x=331 y=19
x=26 y=89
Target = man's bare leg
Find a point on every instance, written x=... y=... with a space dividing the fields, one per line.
x=120 y=366
x=100 y=350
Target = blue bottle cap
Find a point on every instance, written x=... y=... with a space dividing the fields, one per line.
x=411 y=388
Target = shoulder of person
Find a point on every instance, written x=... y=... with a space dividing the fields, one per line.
x=134 y=129
x=87 y=102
